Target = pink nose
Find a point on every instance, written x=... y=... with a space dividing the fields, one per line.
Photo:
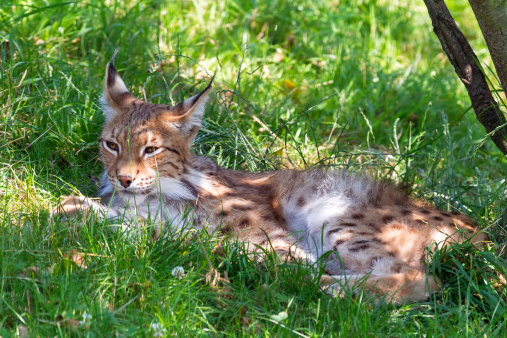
x=125 y=181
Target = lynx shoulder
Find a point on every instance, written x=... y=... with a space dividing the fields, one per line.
x=372 y=229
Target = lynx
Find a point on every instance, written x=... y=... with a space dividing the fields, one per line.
x=376 y=234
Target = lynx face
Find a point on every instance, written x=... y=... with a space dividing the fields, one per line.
x=135 y=152
x=143 y=144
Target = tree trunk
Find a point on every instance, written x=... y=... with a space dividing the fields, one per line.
x=466 y=65
x=492 y=18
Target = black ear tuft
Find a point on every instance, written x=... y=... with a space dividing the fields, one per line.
x=206 y=90
x=116 y=98
x=111 y=74
x=187 y=115
x=111 y=70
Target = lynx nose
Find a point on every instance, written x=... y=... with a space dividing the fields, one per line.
x=125 y=181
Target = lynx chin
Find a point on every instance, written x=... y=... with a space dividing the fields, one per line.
x=376 y=234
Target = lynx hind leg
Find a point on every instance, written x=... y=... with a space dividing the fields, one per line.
x=462 y=228
x=407 y=285
x=444 y=227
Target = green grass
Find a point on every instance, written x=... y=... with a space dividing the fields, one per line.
x=361 y=85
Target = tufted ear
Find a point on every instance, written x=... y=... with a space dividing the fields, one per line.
x=116 y=98
x=187 y=115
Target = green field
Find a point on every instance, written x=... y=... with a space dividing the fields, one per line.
x=361 y=85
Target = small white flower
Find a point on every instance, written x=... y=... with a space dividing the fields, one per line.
x=61 y=30
x=280 y=317
x=86 y=319
x=178 y=272
x=158 y=329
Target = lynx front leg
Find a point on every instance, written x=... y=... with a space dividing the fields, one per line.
x=73 y=206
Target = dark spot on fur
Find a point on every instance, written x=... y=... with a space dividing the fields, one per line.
x=405 y=212
x=361 y=241
x=348 y=224
x=359 y=248
x=438 y=218
x=397 y=267
x=364 y=233
x=424 y=211
x=372 y=225
x=243 y=223
x=275 y=203
x=225 y=229
x=301 y=202
x=446 y=214
x=190 y=187
x=338 y=243
x=223 y=213
x=374 y=260
x=420 y=221
x=357 y=216
x=455 y=213
x=330 y=232
x=173 y=165
x=387 y=219
x=268 y=218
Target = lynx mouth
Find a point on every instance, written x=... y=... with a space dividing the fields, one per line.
x=130 y=190
x=135 y=191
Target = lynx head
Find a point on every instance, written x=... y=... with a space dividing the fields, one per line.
x=142 y=142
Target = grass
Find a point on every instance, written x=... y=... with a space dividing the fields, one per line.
x=361 y=85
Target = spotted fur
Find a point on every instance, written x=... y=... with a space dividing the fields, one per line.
x=375 y=231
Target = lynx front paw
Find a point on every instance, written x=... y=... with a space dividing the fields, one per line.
x=70 y=207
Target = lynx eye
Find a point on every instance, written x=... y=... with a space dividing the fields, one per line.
x=112 y=145
x=150 y=150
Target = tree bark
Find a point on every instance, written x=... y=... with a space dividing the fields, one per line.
x=466 y=65
x=492 y=18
